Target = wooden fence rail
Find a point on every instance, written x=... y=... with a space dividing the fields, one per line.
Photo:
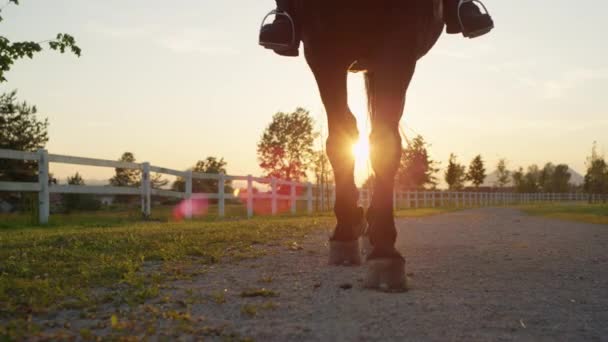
x=324 y=197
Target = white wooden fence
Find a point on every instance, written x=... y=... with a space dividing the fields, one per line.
x=324 y=197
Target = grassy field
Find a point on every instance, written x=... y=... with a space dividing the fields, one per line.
x=589 y=213
x=584 y=212
x=83 y=260
x=82 y=266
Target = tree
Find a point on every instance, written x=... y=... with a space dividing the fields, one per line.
x=20 y=129
x=10 y=52
x=416 y=168
x=528 y=181
x=518 y=179
x=323 y=176
x=76 y=179
x=126 y=177
x=132 y=177
x=561 y=178
x=545 y=178
x=322 y=168
x=455 y=174
x=79 y=201
x=286 y=148
x=531 y=179
x=477 y=172
x=503 y=175
x=596 y=178
x=211 y=165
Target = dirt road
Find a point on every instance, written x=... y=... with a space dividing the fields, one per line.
x=477 y=275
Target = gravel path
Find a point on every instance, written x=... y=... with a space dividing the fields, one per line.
x=477 y=275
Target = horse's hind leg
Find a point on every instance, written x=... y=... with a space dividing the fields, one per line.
x=386 y=93
x=343 y=133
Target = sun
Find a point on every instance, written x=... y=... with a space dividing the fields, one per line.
x=360 y=151
x=357 y=101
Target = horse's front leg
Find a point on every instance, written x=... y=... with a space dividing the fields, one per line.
x=343 y=133
x=386 y=88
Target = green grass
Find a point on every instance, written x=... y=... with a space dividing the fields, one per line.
x=422 y=212
x=588 y=213
x=84 y=260
x=110 y=218
x=46 y=268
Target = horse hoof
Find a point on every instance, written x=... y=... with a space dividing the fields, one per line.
x=386 y=274
x=344 y=253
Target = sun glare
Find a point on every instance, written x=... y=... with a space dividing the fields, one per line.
x=361 y=150
x=357 y=101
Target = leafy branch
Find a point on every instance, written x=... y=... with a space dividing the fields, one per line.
x=10 y=52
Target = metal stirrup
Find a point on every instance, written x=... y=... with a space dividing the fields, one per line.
x=462 y=2
x=269 y=45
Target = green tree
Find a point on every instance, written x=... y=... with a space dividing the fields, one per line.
x=79 y=201
x=455 y=174
x=132 y=177
x=596 y=178
x=76 y=179
x=10 y=52
x=518 y=180
x=323 y=174
x=528 y=181
x=545 y=178
x=416 y=169
x=211 y=165
x=561 y=178
x=124 y=176
x=286 y=148
x=322 y=168
x=531 y=179
x=20 y=129
x=503 y=175
x=477 y=172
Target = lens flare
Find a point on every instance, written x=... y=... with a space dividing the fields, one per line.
x=193 y=207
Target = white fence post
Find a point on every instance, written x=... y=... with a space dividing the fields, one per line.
x=293 y=198
x=249 y=196
x=332 y=202
x=188 y=194
x=44 y=199
x=273 y=186
x=221 y=202
x=309 y=197
x=146 y=190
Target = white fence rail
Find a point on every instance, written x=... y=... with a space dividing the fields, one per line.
x=323 y=199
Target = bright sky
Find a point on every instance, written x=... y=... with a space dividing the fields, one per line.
x=176 y=81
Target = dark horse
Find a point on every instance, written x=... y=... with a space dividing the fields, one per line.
x=385 y=39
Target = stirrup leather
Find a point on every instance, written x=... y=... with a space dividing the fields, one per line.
x=473 y=34
x=275 y=46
